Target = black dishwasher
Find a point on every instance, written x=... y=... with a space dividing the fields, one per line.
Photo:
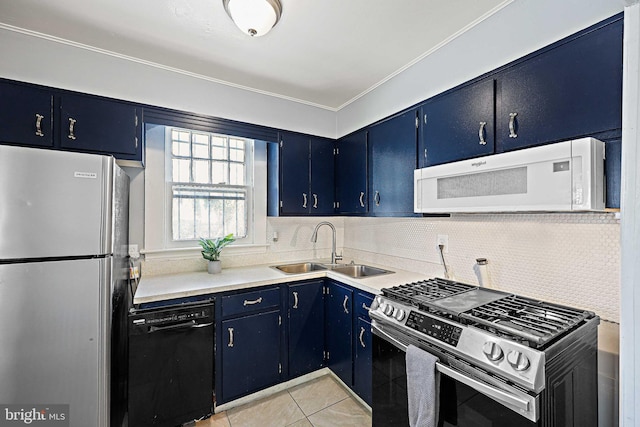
x=171 y=364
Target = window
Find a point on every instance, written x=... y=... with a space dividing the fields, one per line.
x=211 y=184
x=202 y=184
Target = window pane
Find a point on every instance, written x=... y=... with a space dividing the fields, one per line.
x=180 y=148
x=179 y=135
x=200 y=146
x=181 y=172
x=183 y=215
x=219 y=172
x=216 y=219
x=201 y=171
x=202 y=215
x=218 y=148
x=236 y=150
x=236 y=174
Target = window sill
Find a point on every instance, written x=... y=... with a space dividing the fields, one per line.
x=194 y=252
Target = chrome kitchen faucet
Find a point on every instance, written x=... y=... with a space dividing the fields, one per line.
x=314 y=239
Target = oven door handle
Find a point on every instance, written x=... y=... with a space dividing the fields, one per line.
x=526 y=408
x=494 y=393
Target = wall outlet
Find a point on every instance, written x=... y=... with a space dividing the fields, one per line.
x=443 y=239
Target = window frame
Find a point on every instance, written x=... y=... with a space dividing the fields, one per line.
x=157 y=201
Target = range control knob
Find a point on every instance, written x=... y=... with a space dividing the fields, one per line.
x=374 y=304
x=388 y=309
x=492 y=351
x=399 y=315
x=518 y=361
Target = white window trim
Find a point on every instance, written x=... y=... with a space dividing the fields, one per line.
x=157 y=213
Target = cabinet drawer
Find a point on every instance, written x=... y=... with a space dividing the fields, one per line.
x=363 y=301
x=250 y=301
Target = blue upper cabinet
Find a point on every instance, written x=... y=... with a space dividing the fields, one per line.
x=99 y=125
x=572 y=89
x=352 y=196
x=322 y=184
x=392 y=160
x=26 y=115
x=306 y=175
x=457 y=125
x=294 y=174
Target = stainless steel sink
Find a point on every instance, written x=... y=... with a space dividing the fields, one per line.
x=358 y=271
x=301 y=267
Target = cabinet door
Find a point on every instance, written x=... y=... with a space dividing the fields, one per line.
x=26 y=115
x=457 y=125
x=351 y=174
x=306 y=327
x=250 y=354
x=339 y=309
x=322 y=177
x=362 y=363
x=572 y=90
x=392 y=156
x=101 y=126
x=294 y=174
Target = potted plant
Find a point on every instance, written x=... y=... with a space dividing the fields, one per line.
x=211 y=249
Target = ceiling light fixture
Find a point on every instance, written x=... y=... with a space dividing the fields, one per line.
x=254 y=17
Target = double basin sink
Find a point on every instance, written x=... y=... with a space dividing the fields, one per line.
x=356 y=271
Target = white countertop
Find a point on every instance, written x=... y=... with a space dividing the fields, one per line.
x=158 y=288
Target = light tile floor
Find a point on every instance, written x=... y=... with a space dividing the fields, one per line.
x=318 y=403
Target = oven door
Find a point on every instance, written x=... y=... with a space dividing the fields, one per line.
x=464 y=401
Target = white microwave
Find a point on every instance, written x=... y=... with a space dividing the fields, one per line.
x=565 y=176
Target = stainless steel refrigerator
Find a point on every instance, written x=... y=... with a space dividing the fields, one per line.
x=63 y=280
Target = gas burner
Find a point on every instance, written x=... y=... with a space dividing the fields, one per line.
x=509 y=316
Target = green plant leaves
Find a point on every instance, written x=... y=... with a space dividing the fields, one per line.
x=211 y=248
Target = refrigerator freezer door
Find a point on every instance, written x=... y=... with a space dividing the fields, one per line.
x=54 y=203
x=54 y=337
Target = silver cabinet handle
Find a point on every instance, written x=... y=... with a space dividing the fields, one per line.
x=39 y=118
x=376 y=198
x=344 y=304
x=230 y=337
x=304 y=200
x=362 y=199
x=295 y=300
x=362 y=331
x=481 y=133
x=255 y=301
x=315 y=201
x=365 y=307
x=72 y=123
x=512 y=125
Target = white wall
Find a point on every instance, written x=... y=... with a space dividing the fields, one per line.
x=38 y=60
x=514 y=31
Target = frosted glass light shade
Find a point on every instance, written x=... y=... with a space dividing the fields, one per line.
x=254 y=17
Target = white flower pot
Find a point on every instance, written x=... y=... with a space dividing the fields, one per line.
x=214 y=267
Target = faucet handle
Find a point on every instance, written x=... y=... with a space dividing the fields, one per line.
x=338 y=257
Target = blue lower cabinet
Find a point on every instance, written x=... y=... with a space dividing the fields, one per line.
x=250 y=354
x=362 y=362
x=339 y=325
x=305 y=327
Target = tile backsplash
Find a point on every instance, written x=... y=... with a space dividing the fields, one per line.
x=567 y=258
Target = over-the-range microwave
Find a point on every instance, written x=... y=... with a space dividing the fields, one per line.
x=564 y=176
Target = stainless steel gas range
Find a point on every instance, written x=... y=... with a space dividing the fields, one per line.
x=503 y=359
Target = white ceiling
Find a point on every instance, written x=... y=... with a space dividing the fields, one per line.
x=322 y=52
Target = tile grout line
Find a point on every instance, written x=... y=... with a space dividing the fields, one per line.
x=298 y=405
